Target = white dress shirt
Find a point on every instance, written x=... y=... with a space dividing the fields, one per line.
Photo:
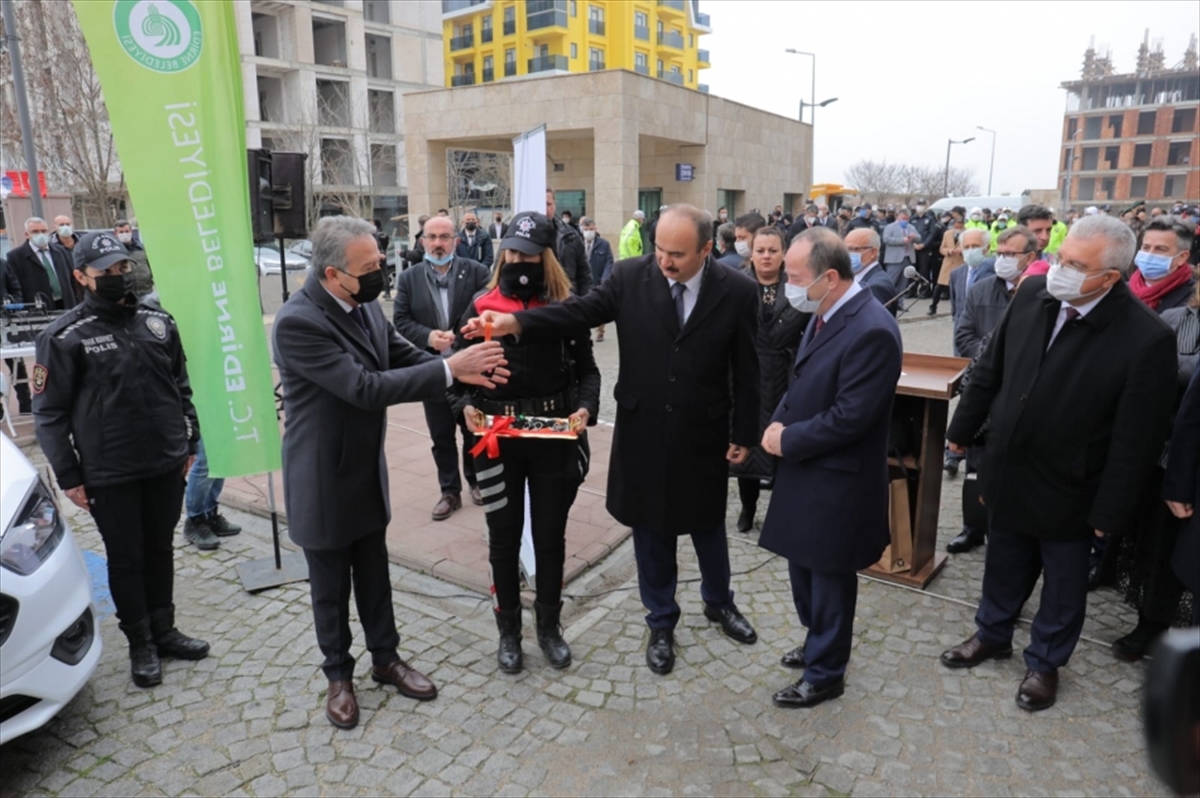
x=863 y=271
x=691 y=294
x=346 y=306
x=1062 y=315
x=851 y=292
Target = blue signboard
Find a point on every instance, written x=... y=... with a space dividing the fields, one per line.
x=683 y=172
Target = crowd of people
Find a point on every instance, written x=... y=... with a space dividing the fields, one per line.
x=762 y=349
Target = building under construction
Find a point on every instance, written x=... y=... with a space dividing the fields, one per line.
x=1132 y=137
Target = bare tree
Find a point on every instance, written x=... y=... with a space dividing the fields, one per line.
x=71 y=129
x=875 y=180
x=902 y=184
x=476 y=178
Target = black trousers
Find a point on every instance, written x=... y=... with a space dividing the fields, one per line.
x=550 y=469
x=825 y=603
x=16 y=368
x=362 y=565
x=442 y=424
x=137 y=523
x=658 y=571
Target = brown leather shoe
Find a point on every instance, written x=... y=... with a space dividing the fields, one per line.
x=409 y=682
x=341 y=707
x=476 y=496
x=1038 y=691
x=446 y=506
x=973 y=651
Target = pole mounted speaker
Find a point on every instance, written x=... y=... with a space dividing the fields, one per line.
x=289 y=194
x=261 y=196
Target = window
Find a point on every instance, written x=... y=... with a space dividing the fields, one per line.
x=382 y=105
x=1091 y=127
x=691 y=40
x=1111 y=156
x=595 y=59
x=596 y=20
x=1066 y=159
x=510 y=20
x=1179 y=153
x=510 y=62
x=641 y=63
x=1114 y=122
x=1087 y=188
x=485 y=29
x=1174 y=186
x=1141 y=154
x=489 y=72
x=641 y=26
x=1091 y=158
x=1072 y=128
x=1184 y=120
x=1108 y=185
x=1137 y=187
x=574 y=50
x=660 y=69
x=574 y=9
x=1146 y=121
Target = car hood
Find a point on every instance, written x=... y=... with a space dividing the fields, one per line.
x=17 y=476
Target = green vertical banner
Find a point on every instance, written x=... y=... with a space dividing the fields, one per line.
x=172 y=83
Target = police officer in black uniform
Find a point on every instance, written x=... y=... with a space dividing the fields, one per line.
x=113 y=412
x=552 y=378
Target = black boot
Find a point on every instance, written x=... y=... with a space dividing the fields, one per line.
x=549 y=635
x=1134 y=645
x=509 y=655
x=170 y=641
x=745 y=521
x=143 y=656
x=221 y=526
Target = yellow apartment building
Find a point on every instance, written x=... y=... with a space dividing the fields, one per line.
x=490 y=40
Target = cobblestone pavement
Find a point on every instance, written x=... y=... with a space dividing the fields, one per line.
x=249 y=719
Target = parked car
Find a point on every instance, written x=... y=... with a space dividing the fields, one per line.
x=267 y=260
x=303 y=248
x=49 y=631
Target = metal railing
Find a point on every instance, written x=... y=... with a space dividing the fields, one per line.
x=596 y=66
x=703 y=56
x=462 y=42
x=703 y=20
x=466 y=79
x=510 y=68
x=489 y=75
x=510 y=27
x=546 y=63
x=678 y=5
x=671 y=77
x=485 y=36
x=596 y=27
x=641 y=32
x=702 y=88
x=641 y=69
x=671 y=39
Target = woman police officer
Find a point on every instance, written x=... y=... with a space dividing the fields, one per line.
x=551 y=396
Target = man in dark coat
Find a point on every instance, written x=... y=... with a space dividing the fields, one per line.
x=989 y=296
x=473 y=243
x=805 y=221
x=43 y=270
x=430 y=298
x=1079 y=383
x=568 y=248
x=829 y=511
x=1181 y=489
x=598 y=250
x=687 y=406
x=863 y=248
x=342 y=364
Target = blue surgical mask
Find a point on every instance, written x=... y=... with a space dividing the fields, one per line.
x=442 y=261
x=856 y=263
x=1153 y=267
x=40 y=240
x=862 y=214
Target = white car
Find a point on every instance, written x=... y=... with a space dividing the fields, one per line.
x=49 y=630
x=267 y=260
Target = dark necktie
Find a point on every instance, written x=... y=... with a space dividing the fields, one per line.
x=48 y=265
x=817 y=327
x=1072 y=314
x=361 y=320
x=677 y=291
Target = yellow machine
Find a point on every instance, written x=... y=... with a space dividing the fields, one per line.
x=832 y=195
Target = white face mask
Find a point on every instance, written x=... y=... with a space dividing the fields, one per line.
x=920 y=209
x=1008 y=268
x=589 y=235
x=65 y=231
x=125 y=238
x=798 y=298
x=40 y=240
x=973 y=256
x=1066 y=285
x=743 y=248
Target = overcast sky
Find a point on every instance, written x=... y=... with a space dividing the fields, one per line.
x=910 y=75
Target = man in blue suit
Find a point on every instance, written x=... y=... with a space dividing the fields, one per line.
x=863 y=246
x=829 y=511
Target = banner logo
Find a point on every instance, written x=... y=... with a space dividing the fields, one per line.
x=161 y=35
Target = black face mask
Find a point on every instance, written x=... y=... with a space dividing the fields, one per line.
x=523 y=280
x=114 y=287
x=370 y=286
x=470 y=225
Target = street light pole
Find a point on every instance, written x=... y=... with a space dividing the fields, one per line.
x=14 y=55
x=946 y=180
x=812 y=105
x=992 y=165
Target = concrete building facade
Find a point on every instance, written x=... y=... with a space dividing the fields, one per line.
x=490 y=40
x=1132 y=137
x=616 y=141
x=328 y=78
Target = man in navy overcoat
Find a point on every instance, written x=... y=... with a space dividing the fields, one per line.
x=829 y=511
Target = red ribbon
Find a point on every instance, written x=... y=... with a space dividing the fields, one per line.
x=491 y=438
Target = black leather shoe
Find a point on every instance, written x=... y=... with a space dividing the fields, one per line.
x=973 y=651
x=803 y=694
x=950 y=467
x=794 y=658
x=1133 y=646
x=509 y=656
x=1038 y=691
x=733 y=623
x=171 y=642
x=660 y=654
x=1093 y=577
x=221 y=526
x=476 y=496
x=746 y=520
x=966 y=540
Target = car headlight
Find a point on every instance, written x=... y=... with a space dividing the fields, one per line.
x=34 y=534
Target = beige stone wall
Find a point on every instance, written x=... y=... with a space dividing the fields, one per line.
x=615 y=132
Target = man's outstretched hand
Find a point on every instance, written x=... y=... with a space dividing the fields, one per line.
x=481 y=364
x=501 y=324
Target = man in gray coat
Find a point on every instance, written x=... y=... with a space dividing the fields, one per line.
x=342 y=364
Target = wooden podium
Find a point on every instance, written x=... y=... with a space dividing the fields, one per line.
x=927 y=384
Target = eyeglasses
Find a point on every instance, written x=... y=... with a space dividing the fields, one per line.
x=859 y=250
x=442 y=237
x=1082 y=269
x=1013 y=254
